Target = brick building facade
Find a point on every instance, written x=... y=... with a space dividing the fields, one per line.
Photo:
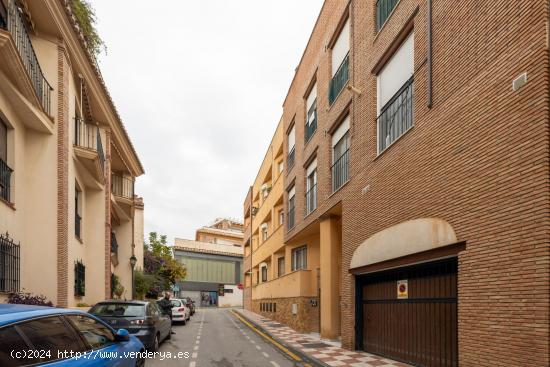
x=431 y=156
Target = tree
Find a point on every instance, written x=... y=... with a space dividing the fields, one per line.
x=158 y=245
x=161 y=270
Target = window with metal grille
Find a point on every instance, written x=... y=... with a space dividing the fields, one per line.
x=9 y=264
x=340 y=63
x=311 y=117
x=299 y=258
x=383 y=10
x=340 y=155
x=311 y=187
x=291 y=208
x=396 y=116
x=79 y=279
x=395 y=95
x=5 y=170
x=291 y=139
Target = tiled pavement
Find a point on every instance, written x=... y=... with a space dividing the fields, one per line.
x=320 y=350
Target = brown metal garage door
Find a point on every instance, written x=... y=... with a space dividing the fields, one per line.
x=419 y=327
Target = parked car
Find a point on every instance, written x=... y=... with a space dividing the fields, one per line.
x=180 y=311
x=144 y=319
x=34 y=335
x=189 y=303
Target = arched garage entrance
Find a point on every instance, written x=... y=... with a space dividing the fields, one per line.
x=406 y=293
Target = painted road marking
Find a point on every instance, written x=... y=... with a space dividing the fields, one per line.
x=192 y=364
x=265 y=354
x=196 y=347
x=271 y=340
x=275 y=364
x=258 y=347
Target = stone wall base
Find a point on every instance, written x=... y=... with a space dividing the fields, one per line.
x=305 y=320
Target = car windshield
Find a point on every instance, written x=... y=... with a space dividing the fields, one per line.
x=118 y=310
x=176 y=303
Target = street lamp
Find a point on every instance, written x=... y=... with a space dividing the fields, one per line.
x=133 y=262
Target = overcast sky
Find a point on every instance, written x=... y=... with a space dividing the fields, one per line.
x=200 y=86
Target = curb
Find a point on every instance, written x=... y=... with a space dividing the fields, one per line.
x=306 y=358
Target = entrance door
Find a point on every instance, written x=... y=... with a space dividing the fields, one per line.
x=410 y=314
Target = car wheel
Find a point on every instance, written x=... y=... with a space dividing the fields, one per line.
x=169 y=336
x=184 y=322
x=140 y=361
x=156 y=343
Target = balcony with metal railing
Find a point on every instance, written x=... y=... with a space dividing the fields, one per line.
x=396 y=117
x=12 y=21
x=88 y=148
x=5 y=181
x=339 y=80
x=122 y=186
x=340 y=171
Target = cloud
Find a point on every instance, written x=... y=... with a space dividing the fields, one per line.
x=200 y=85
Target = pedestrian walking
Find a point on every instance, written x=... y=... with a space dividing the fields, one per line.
x=166 y=306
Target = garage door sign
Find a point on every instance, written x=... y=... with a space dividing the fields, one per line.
x=402 y=289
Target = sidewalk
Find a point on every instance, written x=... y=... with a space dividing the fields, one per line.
x=312 y=346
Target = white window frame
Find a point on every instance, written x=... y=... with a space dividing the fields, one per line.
x=279 y=273
x=291 y=139
x=311 y=110
x=338 y=134
x=397 y=71
x=340 y=48
x=299 y=258
x=311 y=183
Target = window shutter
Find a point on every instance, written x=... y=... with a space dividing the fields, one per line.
x=396 y=72
x=291 y=138
x=340 y=48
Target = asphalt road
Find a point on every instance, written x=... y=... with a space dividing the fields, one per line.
x=215 y=337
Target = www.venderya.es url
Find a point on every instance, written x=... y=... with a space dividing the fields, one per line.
x=130 y=355
x=96 y=354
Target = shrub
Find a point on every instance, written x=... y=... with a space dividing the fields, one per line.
x=22 y=298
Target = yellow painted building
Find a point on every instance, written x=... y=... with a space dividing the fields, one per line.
x=281 y=279
x=67 y=165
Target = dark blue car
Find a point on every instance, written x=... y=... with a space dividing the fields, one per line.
x=63 y=337
x=143 y=319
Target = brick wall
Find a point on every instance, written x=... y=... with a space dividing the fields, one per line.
x=62 y=176
x=108 y=228
x=478 y=159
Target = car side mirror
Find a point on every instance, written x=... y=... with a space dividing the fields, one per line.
x=122 y=335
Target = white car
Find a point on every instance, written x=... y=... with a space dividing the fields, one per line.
x=180 y=312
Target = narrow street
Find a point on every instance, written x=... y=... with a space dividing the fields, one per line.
x=215 y=337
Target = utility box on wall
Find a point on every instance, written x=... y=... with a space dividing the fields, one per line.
x=294 y=308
